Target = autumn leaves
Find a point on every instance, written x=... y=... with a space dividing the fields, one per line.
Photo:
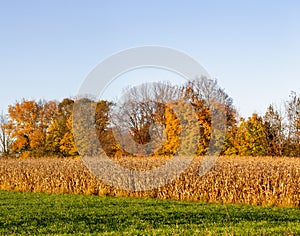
x=45 y=128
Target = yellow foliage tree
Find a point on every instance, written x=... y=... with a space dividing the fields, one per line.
x=252 y=137
x=60 y=140
x=172 y=129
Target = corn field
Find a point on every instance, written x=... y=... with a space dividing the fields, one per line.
x=263 y=181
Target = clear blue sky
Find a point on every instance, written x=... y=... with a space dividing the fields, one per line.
x=252 y=47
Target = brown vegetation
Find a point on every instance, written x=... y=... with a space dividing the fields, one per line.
x=256 y=181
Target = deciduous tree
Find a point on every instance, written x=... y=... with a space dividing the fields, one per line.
x=60 y=140
x=292 y=147
x=252 y=137
x=274 y=125
x=5 y=136
x=29 y=121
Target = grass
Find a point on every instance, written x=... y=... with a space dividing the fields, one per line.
x=41 y=213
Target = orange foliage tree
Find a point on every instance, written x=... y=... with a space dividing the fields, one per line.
x=29 y=122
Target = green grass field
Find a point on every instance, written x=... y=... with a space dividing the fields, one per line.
x=39 y=213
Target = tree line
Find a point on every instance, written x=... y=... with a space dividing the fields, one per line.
x=45 y=128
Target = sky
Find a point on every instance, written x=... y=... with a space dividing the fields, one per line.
x=47 y=48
